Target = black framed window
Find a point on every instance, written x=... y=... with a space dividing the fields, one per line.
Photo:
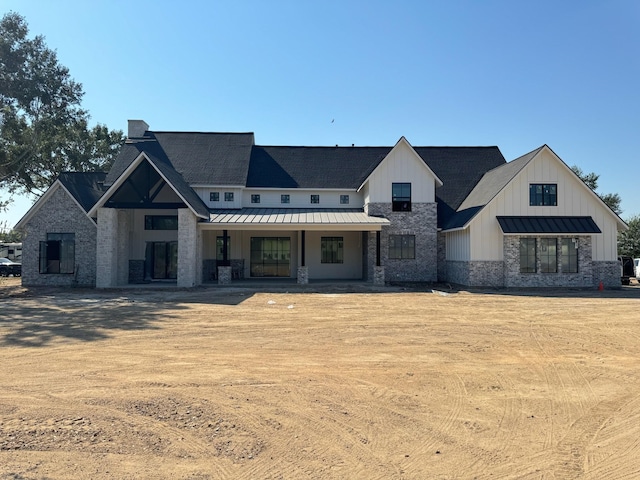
x=58 y=253
x=548 y=255
x=315 y=198
x=401 y=197
x=527 y=255
x=543 y=195
x=214 y=196
x=161 y=222
x=255 y=198
x=402 y=246
x=344 y=199
x=332 y=250
x=284 y=198
x=569 y=255
x=228 y=196
x=220 y=248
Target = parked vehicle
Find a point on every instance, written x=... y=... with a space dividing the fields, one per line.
x=636 y=265
x=8 y=267
x=626 y=269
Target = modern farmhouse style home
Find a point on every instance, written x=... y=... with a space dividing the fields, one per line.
x=198 y=208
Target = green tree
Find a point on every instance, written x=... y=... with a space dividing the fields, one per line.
x=629 y=241
x=43 y=128
x=613 y=200
x=8 y=235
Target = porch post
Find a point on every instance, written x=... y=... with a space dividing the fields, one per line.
x=225 y=248
x=106 y=248
x=303 y=270
x=378 y=270
x=187 y=248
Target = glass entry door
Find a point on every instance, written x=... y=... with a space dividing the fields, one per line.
x=270 y=256
x=161 y=260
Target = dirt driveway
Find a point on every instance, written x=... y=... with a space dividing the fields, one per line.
x=348 y=383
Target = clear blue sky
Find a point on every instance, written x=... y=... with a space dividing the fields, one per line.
x=509 y=73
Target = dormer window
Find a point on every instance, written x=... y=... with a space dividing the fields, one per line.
x=401 y=197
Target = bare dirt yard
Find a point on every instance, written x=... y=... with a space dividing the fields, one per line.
x=347 y=382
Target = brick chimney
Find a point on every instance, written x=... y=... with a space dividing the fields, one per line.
x=137 y=128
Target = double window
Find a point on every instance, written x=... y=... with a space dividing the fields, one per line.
x=57 y=254
x=332 y=250
x=402 y=246
x=401 y=197
x=543 y=195
x=547 y=251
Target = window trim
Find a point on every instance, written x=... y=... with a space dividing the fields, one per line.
x=407 y=252
x=526 y=269
x=255 y=198
x=543 y=198
x=331 y=250
x=400 y=201
x=228 y=196
x=66 y=262
x=285 y=198
x=344 y=199
x=214 y=196
x=570 y=256
x=548 y=260
x=314 y=198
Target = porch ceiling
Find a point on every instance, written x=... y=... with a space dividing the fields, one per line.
x=294 y=219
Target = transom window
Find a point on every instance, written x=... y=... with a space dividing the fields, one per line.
x=332 y=250
x=161 y=222
x=401 y=197
x=228 y=196
x=57 y=254
x=315 y=198
x=402 y=246
x=284 y=198
x=344 y=199
x=255 y=198
x=214 y=196
x=543 y=195
x=527 y=255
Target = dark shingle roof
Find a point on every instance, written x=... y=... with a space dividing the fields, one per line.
x=312 y=167
x=485 y=188
x=201 y=158
x=460 y=169
x=85 y=187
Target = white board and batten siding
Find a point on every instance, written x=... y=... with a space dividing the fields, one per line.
x=301 y=198
x=401 y=165
x=574 y=199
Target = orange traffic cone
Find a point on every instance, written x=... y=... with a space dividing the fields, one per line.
x=601 y=286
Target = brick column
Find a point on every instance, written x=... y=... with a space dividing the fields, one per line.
x=107 y=248
x=187 y=248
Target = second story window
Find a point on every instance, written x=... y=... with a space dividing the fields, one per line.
x=401 y=197
x=214 y=196
x=315 y=198
x=284 y=198
x=228 y=196
x=255 y=198
x=543 y=194
x=344 y=199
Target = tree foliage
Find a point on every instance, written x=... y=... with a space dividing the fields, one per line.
x=43 y=128
x=613 y=200
x=629 y=241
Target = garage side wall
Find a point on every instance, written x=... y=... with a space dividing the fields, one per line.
x=60 y=214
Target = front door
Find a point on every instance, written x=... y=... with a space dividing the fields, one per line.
x=162 y=260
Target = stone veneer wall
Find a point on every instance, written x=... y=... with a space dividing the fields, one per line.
x=442 y=257
x=457 y=271
x=513 y=277
x=421 y=222
x=60 y=214
x=188 y=250
x=608 y=273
